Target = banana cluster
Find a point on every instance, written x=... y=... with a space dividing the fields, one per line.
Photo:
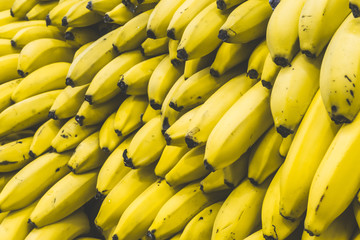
x=179 y=119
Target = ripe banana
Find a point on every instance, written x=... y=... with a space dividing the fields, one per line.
x=258 y=235
x=134 y=5
x=214 y=108
x=128 y=115
x=6 y=48
x=78 y=36
x=59 y=202
x=173 y=46
x=4 y=179
x=34 y=110
x=257 y=60
x=283 y=43
x=149 y=114
x=47 y=78
x=16 y=136
x=161 y=80
x=135 y=80
x=33 y=180
x=79 y=16
x=68 y=102
x=314 y=34
x=194 y=65
x=41 y=52
x=285 y=145
x=15 y=154
x=354 y=5
x=81 y=49
x=138 y=216
x=142 y=153
x=183 y=16
x=56 y=14
x=6 y=4
x=293 y=91
x=20 y=7
x=302 y=160
x=240 y=213
x=9 y=30
x=6 y=90
x=246 y=22
x=200 y=37
x=103 y=86
x=168 y=159
x=264 y=157
x=70 y=135
x=226 y=4
x=102 y=6
x=40 y=10
x=108 y=139
x=43 y=137
x=115 y=203
x=154 y=47
x=5 y=17
x=269 y=72
x=8 y=67
x=230 y=139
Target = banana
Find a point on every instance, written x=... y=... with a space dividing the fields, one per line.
x=161 y=80
x=15 y=225
x=230 y=55
x=183 y=16
x=121 y=14
x=169 y=158
x=113 y=170
x=283 y=43
x=257 y=60
x=356 y=235
x=91 y=60
x=103 y=86
x=94 y=114
x=87 y=155
x=265 y=158
x=9 y=30
x=15 y=154
x=134 y=5
x=194 y=65
x=115 y=203
x=59 y=201
x=16 y=136
x=6 y=48
x=20 y=7
x=135 y=80
x=40 y=10
x=78 y=36
x=293 y=91
x=6 y=4
x=200 y=37
x=154 y=47
x=34 y=110
x=258 y=235
x=230 y=139
x=128 y=115
x=108 y=139
x=5 y=17
x=81 y=49
x=240 y=213
x=302 y=160
x=70 y=135
x=199 y=87
x=354 y=7
x=68 y=102
x=246 y=22
x=337 y=81
x=285 y=145
x=46 y=78
x=102 y=6
x=327 y=188
x=138 y=216
x=4 y=179
x=41 y=52
x=226 y=4
x=214 y=108
x=190 y=167
x=6 y=90
x=33 y=180
x=175 y=134
x=269 y=72
x=79 y=16
x=149 y=114
x=43 y=137
x=173 y=46
x=143 y=152
x=56 y=14
x=75 y=224
x=274 y=226
x=200 y=226
x=161 y=16
x=133 y=33
x=8 y=67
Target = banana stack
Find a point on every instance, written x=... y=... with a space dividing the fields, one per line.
x=179 y=119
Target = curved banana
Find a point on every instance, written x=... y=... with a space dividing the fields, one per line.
x=283 y=43
x=134 y=5
x=108 y=139
x=246 y=22
x=5 y=16
x=285 y=145
x=40 y=10
x=8 y=67
x=16 y=136
x=4 y=179
x=81 y=49
x=103 y=86
x=56 y=14
x=194 y=65
x=33 y=180
x=79 y=16
x=41 y=52
x=34 y=110
x=258 y=235
x=128 y=115
x=154 y=47
x=68 y=102
x=269 y=72
x=6 y=48
x=59 y=202
x=9 y=30
x=230 y=139
x=6 y=4
x=20 y=7
x=149 y=114
x=168 y=159
x=214 y=108
x=43 y=137
x=102 y=6
x=293 y=91
x=6 y=90
x=79 y=36
x=257 y=60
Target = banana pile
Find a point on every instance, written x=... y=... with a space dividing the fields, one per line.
x=179 y=119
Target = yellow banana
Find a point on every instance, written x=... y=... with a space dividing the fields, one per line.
x=153 y=47
x=6 y=90
x=269 y=72
x=5 y=16
x=173 y=46
x=56 y=14
x=102 y=6
x=59 y=202
x=4 y=179
x=226 y=4
x=8 y=67
x=40 y=10
x=79 y=16
x=257 y=60
x=15 y=154
x=33 y=180
x=81 y=49
x=194 y=65
x=286 y=144
x=121 y=14
x=46 y=78
x=134 y=5
x=20 y=7
x=78 y=36
x=9 y=30
x=149 y=114
x=168 y=159
x=258 y=235
x=6 y=48
x=6 y=4
x=108 y=139
x=16 y=136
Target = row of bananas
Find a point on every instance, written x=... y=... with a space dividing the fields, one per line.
x=179 y=119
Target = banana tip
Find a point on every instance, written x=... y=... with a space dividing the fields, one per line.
x=355 y=10
x=88 y=98
x=32 y=223
x=182 y=54
x=229 y=184
x=214 y=73
x=284 y=131
x=175 y=62
x=11 y=13
x=151 y=234
x=311 y=234
x=32 y=154
x=221 y=4
x=167 y=139
x=266 y=84
x=223 y=35
x=71 y=169
x=291 y=219
x=253 y=74
x=105 y=149
x=64 y=21
x=274 y=3
x=122 y=85
x=175 y=106
x=13 y=43
x=253 y=182
x=165 y=125
x=208 y=166
x=99 y=196
x=128 y=161
x=308 y=54
x=190 y=142
x=171 y=33
x=108 y=19
x=150 y=34
x=338 y=118
x=89 y=5
x=115 y=237
x=21 y=73
x=268 y=237
x=80 y=119
x=52 y=115
x=118 y=132
x=48 y=20
x=69 y=82
x=69 y=36
x=154 y=105
x=282 y=61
